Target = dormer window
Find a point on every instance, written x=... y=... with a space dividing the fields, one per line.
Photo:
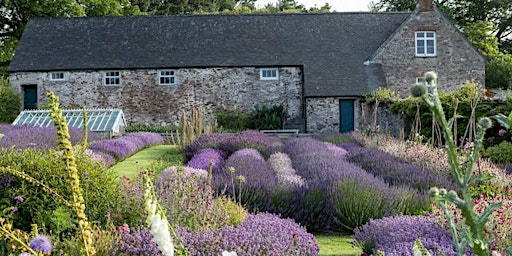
x=269 y=74
x=425 y=44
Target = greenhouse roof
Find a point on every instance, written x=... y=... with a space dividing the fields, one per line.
x=97 y=119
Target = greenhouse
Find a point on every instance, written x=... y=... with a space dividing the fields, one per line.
x=106 y=123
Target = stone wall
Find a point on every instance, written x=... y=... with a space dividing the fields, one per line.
x=323 y=114
x=145 y=102
x=456 y=62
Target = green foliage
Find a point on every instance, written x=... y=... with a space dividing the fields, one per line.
x=151 y=128
x=61 y=220
x=267 y=118
x=101 y=191
x=498 y=72
x=500 y=154
x=233 y=120
x=10 y=103
x=462 y=99
x=381 y=95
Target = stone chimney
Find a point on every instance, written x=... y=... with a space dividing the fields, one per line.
x=425 y=5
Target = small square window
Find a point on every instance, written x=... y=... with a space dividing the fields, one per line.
x=420 y=80
x=57 y=76
x=112 y=78
x=166 y=77
x=269 y=74
x=425 y=44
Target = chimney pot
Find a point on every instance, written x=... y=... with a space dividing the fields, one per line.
x=425 y=5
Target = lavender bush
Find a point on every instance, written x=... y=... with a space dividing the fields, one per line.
x=396 y=236
x=230 y=143
x=261 y=234
x=189 y=200
x=136 y=242
x=341 y=194
x=397 y=172
x=256 y=192
x=203 y=158
x=127 y=145
x=41 y=138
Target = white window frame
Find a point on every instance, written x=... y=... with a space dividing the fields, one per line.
x=54 y=78
x=420 y=80
x=173 y=79
x=425 y=37
x=263 y=74
x=111 y=76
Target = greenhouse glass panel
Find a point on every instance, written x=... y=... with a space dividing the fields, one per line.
x=100 y=120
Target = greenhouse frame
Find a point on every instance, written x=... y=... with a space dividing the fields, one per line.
x=107 y=123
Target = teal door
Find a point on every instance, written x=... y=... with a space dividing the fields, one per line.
x=30 y=96
x=346 y=115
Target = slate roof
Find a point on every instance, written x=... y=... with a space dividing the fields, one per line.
x=331 y=47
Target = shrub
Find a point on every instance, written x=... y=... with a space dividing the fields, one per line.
x=264 y=117
x=396 y=236
x=101 y=192
x=41 y=138
x=232 y=120
x=205 y=157
x=499 y=154
x=286 y=175
x=136 y=241
x=150 y=128
x=10 y=102
x=256 y=192
x=189 y=200
x=261 y=234
x=209 y=140
x=397 y=172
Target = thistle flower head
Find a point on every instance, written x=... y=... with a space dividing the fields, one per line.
x=430 y=76
x=434 y=192
x=418 y=90
x=231 y=169
x=41 y=244
x=485 y=122
x=240 y=179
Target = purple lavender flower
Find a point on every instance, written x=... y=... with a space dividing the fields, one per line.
x=396 y=236
x=138 y=241
x=203 y=158
x=261 y=234
x=502 y=132
x=18 y=199
x=12 y=210
x=41 y=244
x=5 y=181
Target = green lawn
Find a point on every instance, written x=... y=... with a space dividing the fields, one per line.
x=336 y=245
x=147 y=158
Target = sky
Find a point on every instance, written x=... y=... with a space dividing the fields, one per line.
x=337 y=5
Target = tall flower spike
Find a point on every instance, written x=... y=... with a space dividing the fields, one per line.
x=156 y=219
x=64 y=142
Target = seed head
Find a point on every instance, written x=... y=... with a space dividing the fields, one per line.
x=418 y=90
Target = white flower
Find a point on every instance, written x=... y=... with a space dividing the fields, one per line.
x=226 y=253
x=157 y=221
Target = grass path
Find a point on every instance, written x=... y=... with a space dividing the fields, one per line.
x=131 y=166
x=336 y=245
x=330 y=245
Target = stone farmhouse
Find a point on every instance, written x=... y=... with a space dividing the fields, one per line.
x=317 y=66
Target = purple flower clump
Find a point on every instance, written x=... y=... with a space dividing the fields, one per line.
x=396 y=236
x=41 y=244
x=203 y=158
x=127 y=145
x=396 y=171
x=261 y=234
x=41 y=138
x=260 y=179
x=337 y=194
x=138 y=241
x=230 y=143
